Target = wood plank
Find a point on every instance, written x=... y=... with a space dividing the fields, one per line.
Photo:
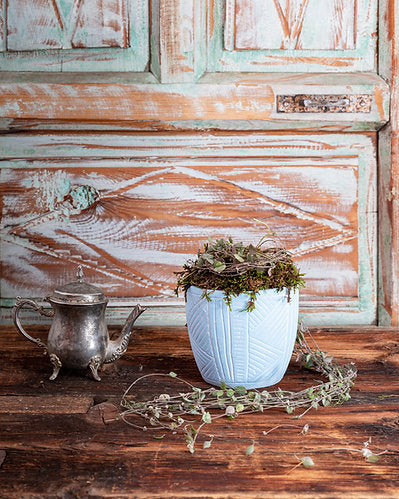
x=64 y=447
x=389 y=171
x=215 y=97
x=175 y=26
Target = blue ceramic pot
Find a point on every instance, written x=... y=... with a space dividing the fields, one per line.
x=250 y=349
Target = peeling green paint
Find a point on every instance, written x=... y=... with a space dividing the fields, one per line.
x=83 y=196
x=51 y=187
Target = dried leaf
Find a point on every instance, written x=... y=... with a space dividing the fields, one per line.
x=219 y=266
x=240 y=390
x=249 y=450
x=372 y=458
x=230 y=410
x=307 y=461
x=238 y=257
x=206 y=417
x=240 y=407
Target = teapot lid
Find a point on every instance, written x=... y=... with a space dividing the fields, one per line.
x=78 y=292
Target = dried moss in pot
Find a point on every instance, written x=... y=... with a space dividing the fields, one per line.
x=235 y=268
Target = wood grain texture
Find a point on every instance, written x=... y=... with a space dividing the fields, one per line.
x=393 y=193
x=298 y=35
x=389 y=171
x=161 y=197
x=294 y=24
x=216 y=97
x=49 y=451
x=50 y=24
x=178 y=29
x=76 y=35
x=173 y=36
x=3 y=34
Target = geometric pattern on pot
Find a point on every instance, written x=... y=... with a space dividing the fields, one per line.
x=199 y=332
x=251 y=349
x=272 y=329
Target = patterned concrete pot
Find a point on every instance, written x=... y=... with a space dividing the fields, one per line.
x=250 y=349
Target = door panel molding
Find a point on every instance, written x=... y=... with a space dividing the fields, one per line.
x=92 y=35
x=216 y=101
x=161 y=197
x=300 y=36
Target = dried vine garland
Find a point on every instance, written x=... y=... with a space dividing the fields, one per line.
x=197 y=406
x=237 y=268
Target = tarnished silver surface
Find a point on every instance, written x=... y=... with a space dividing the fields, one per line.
x=78 y=336
x=56 y=365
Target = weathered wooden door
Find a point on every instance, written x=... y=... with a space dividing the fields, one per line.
x=136 y=129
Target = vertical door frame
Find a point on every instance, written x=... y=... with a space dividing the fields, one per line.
x=388 y=168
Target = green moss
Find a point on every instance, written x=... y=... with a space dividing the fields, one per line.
x=236 y=268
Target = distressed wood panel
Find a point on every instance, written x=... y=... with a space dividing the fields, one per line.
x=156 y=208
x=2 y=26
x=54 y=35
x=389 y=169
x=178 y=36
x=177 y=39
x=292 y=35
x=49 y=24
x=293 y=24
x=251 y=99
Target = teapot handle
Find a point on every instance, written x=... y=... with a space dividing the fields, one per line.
x=32 y=304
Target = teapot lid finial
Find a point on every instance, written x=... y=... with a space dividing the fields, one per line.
x=79 y=274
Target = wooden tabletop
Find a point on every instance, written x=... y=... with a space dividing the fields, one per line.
x=61 y=438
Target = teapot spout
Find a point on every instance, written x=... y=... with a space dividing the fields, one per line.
x=118 y=347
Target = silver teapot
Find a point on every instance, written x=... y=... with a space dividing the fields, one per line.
x=78 y=336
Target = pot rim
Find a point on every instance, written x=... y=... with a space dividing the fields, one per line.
x=220 y=293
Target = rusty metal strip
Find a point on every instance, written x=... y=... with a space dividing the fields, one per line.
x=316 y=103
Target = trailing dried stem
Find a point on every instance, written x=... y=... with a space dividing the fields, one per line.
x=179 y=412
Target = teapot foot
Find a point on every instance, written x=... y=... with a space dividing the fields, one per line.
x=56 y=366
x=94 y=364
